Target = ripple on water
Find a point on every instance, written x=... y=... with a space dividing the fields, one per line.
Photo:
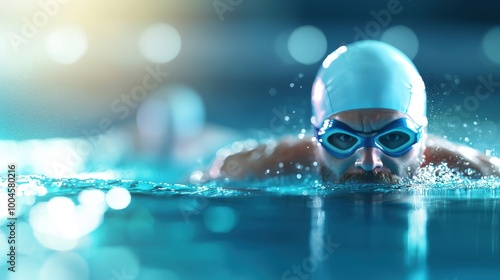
x=431 y=180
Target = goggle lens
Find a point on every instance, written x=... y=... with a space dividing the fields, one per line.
x=394 y=139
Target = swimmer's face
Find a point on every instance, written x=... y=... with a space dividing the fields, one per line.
x=370 y=164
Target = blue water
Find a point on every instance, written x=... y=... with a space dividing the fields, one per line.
x=68 y=229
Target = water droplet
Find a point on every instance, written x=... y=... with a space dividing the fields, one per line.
x=301 y=75
x=280 y=165
x=287 y=118
x=292 y=85
x=272 y=91
x=299 y=176
x=299 y=166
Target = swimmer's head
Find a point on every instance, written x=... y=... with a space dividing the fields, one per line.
x=368 y=75
x=369 y=112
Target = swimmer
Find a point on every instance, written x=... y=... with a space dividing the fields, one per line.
x=370 y=126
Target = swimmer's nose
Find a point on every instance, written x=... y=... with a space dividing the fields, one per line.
x=368 y=159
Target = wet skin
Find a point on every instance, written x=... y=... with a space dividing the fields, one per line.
x=369 y=160
x=367 y=164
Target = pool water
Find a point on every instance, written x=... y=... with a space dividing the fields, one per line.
x=118 y=229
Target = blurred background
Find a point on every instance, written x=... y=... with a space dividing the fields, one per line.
x=151 y=89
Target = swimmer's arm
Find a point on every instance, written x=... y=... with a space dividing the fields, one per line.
x=459 y=157
x=287 y=157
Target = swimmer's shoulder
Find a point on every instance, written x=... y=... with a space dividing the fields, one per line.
x=284 y=157
x=460 y=157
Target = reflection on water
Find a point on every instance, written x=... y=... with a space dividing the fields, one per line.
x=416 y=247
x=109 y=229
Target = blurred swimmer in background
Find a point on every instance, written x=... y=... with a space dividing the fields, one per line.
x=370 y=125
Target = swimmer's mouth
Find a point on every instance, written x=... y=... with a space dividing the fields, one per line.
x=374 y=176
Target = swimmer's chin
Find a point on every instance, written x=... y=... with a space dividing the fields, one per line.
x=370 y=177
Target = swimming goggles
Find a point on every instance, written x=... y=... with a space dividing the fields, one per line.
x=395 y=139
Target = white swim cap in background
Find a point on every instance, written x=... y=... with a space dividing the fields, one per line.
x=368 y=75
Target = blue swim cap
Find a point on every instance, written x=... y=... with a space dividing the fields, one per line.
x=368 y=75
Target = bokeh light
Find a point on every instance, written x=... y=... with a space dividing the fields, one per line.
x=66 y=45
x=27 y=243
x=160 y=43
x=61 y=207
x=220 y=219
x=114 y=262
x=64 y=266
x=491 y=44
x=403 y=38
x=94 y=200
x=188 y=111
x=27 y=268
x=58 y=224
x=153 y=121
x=307 y=44
x=174 y=112
x=118 y=198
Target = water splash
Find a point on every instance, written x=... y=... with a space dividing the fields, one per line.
x=430 y=180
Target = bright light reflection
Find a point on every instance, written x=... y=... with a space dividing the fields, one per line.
x=416 y=240
x=160 y=43
x=61 y=208
x=58 y=224
x=334 y=55
x=94 y=200
x=307 y=44
x=118 y=198
x=317 y=232
x=66 y=45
